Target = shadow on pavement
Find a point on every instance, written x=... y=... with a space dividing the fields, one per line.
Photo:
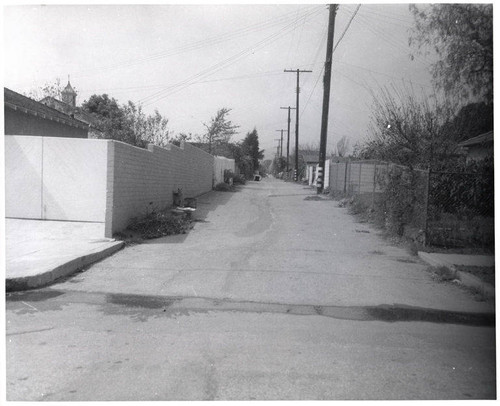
x=206 y=203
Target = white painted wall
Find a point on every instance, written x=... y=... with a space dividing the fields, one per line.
x=23 y=177
x=74 y=179
x=53 y=178
x=220 y=164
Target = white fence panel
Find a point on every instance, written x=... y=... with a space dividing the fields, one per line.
x=74 y=179
x=23 y=177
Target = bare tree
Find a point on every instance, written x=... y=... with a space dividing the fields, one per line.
x=409 y=129
x=219 y=131
x=343 y=146
x=48 y=89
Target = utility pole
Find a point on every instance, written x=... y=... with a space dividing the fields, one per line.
x=277 y=148
x=288 y=136
x=281 y=143
x=298 y=71
x=326 y=98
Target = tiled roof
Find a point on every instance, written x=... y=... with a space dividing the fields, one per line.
x=22 y=103
x=480 y=139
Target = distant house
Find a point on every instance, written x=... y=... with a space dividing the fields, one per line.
x=68 y=106
x=310 y=159
x=478 y=147
x=25 y=116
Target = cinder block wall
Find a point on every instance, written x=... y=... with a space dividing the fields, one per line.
x=141 y=180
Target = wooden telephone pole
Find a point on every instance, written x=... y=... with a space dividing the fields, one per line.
x=281 y=143
x=326 y=98
x=288 y=137
x=298 y=71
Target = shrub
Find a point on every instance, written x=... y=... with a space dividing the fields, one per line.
x=160 y=224
x=357 y=206
x=222 y=187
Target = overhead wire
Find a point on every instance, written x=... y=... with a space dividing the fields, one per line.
x=334 y=48
x=274 y=72
x=202 y=43
x=222 y=64
x=389 y=40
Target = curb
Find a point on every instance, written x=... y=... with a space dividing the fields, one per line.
x=46 y=277
x=466 y=278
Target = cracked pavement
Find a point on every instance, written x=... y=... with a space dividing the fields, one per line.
x=272 y=295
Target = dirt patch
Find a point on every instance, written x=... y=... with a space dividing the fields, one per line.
x=406 y=261
x=314 y=198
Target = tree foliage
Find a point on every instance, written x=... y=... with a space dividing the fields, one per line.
x=409 y=130
x=471 y=120
x=343 y=146
x=219 y=130
x=462 y=36
x=250 y=147
x=48 y=89
x=127 y=123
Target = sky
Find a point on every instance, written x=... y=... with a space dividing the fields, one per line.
x=188 y=61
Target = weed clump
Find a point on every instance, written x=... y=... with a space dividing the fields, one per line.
x=160 y=224
x=442 y=273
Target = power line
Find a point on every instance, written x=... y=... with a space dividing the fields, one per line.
x=205 y=42
x=220 y=65
x=389 y=40
x=335 y=47
x=381 y=73
x=346 y=28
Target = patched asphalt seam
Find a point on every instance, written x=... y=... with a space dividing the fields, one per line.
x=156 y=306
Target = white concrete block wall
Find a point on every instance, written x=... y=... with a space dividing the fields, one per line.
x=100 y=180
x=23 y=177
x=143 y=180
x=220 y=165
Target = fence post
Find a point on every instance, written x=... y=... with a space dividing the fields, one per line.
x=345 y=177
x=337 y=176
x=427 y=196
x=374 y=184
x=359 y=183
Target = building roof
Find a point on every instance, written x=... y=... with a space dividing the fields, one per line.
x=76 y=112
x=68 y=89
x=481 y=139
x=16 y=101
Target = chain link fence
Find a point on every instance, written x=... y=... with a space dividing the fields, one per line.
x=461 y=209
x=449 y=209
